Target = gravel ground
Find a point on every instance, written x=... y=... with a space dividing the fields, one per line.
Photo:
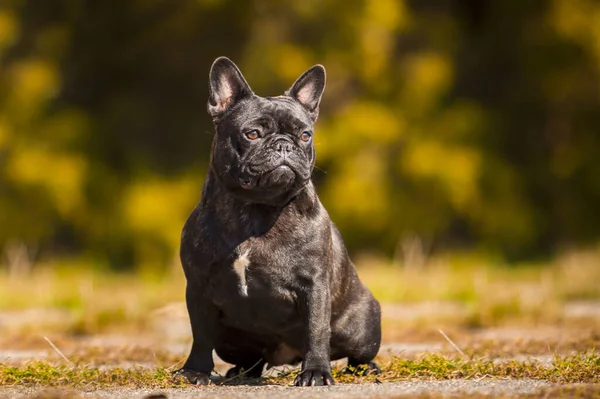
x=409 y=388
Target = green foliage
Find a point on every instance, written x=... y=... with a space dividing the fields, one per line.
x=466 y=124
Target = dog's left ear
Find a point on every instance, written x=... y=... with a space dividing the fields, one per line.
x=308 y=89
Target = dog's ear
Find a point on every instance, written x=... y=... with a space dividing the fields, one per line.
x=227 y=86
x=308 y=89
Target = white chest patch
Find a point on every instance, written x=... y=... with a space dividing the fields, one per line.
x=239 y=266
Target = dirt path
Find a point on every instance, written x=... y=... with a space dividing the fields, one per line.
x=167 y=342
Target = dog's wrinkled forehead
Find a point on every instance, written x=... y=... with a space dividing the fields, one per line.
x=273 y=113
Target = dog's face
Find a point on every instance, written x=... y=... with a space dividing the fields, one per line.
x=263 y=150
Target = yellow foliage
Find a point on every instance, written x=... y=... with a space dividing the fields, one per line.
x=462 y=120
x=427 y=77
x=358 y=125
x=380 y=23
x=3 y=135
x=291 y=61
x=387 y=14
x=572 y=18
x=453 y=166
x=488 y=150
x=61 y=174
x=8 y=29
x=307 y=8
x=579 y=20
x=32 y=83
x=362 y=174
x=65 y=127
x=159 y=207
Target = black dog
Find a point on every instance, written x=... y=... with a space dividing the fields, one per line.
x=268 y=277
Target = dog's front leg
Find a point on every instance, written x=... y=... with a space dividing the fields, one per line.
x=203 y=318
x=315 y=309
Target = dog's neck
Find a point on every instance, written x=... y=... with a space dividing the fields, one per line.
x=254 y=219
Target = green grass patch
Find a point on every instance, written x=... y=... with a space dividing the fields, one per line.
x=580 y=368
x=475 y=279
x=46 y=374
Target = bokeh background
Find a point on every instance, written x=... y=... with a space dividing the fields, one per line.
x=446 y=126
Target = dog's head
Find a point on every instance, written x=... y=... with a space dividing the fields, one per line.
x=263 y=149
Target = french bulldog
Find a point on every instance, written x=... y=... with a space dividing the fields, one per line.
x=269 y=280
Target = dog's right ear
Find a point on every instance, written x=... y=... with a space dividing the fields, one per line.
x=227 y=86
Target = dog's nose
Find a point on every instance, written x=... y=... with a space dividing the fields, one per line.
x=283 y=146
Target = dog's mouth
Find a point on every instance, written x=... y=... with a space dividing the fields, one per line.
x=281 y=177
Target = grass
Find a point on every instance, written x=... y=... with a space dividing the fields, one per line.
x=488 y=293
x=580 y=368
x=49 y=375
x=91 y=300
x=463 y=295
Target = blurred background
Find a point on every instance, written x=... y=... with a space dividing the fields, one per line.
x=447 y=127
x=458 y=151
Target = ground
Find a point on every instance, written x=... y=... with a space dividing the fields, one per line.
x=449 y=330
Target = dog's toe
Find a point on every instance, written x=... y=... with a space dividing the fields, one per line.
x=314 y=377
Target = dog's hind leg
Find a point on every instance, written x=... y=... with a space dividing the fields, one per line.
x=360 y=360
x=357 y=336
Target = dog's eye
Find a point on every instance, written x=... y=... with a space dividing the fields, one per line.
x=252 y=134
x=305 y=137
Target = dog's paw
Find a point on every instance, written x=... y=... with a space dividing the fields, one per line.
x=370 y=368
x=193 y=377
x=314 y=377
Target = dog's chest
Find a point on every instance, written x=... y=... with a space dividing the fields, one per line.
x=255 y=288
x=240 y=266
x=258 y=272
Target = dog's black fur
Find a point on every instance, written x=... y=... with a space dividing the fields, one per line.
x=269 y=280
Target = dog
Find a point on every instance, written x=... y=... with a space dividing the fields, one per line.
x=269 y=280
